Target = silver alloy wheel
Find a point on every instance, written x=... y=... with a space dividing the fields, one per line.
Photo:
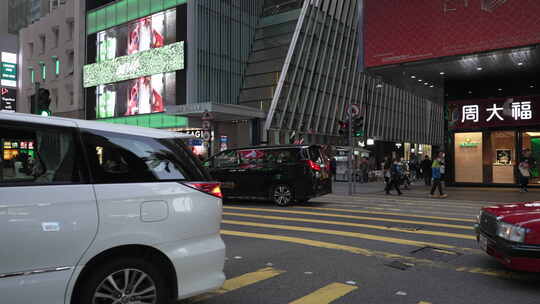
x=126 y=286
x=282 y=195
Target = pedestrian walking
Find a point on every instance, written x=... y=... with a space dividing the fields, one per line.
x=426 y=170
x=524 y=169
x=396 y=173
x=363 y=168
x=333 y=167
x=437 y=175
x=413 y=167
x=386 y=170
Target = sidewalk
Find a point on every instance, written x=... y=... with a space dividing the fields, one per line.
x=490 y=194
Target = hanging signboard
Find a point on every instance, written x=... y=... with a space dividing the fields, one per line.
x=495 y=112
x=8 y=100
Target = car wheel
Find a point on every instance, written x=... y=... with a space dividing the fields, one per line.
x=282 y=195
x=126 y=281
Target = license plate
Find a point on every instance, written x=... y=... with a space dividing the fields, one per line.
x=482 y=242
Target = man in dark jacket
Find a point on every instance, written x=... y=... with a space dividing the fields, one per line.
x=396 y=172
x=426 y=170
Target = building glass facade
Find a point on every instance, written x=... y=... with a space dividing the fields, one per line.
x=275 y=71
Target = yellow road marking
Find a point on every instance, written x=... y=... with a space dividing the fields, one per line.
x=419 y=203
x=408 y=199
x=242 y=281
x=400 y=209
x=249 y=278
x=326 y=294
x=356 y=217
x=392 y=213
x=351 y=234
x=305 y=220
x=424 y=302
x=445 y=251
x=372 y=253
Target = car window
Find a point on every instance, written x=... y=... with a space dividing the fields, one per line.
x=226 y=159
x=251 y=158
x=118 y=158
x=38 y=155
x=281 y=156
x=315 y=155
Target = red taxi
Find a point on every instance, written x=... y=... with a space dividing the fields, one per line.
x=511 y=234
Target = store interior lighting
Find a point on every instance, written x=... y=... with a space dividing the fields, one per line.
x=533 y=134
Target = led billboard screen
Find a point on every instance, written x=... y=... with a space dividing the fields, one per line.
x=398 y=31
x=144 y=95
x=143 y=34
x=155 y=61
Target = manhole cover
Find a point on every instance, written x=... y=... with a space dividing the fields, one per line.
x=436 y=254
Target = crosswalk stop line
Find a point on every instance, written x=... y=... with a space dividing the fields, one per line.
x=327 y=294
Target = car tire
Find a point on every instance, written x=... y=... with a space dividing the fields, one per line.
x=282 y=195
x=144 y=280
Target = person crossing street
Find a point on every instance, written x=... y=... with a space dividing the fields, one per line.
x=436 y=174
x=396 y=172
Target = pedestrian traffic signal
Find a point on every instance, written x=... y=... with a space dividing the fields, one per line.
x=43 y=103
x=358 y=127
x=343 y=128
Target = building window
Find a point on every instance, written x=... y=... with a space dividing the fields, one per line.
x=54 y=98
x=71 y=29
x=53 y=4
x=502 y=154
x=30 y=49
x=32 y=75
x=56 y=65
x=71 y=99
x=42 y=44
x=56 y=36
x=43 y=71
x=531 y=142
x=71 y=62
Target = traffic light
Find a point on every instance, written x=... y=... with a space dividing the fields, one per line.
x=343 y=128
x=43 y=103
x=358 y=127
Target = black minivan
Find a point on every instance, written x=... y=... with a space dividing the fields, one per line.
x=282 y=174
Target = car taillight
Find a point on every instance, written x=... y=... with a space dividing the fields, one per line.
x=313 y=165
x=210 y=188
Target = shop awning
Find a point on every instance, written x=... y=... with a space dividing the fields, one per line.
x=220 y=112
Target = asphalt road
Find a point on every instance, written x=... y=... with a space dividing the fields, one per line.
x=369 y=249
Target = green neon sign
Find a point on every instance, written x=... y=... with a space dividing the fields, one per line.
x=123 y=11
x=155 y=61
x=469 y=144
x=156 y=120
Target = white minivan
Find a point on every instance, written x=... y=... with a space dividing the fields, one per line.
x=94 y=213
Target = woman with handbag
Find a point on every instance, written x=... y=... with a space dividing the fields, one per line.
x=524 y=169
